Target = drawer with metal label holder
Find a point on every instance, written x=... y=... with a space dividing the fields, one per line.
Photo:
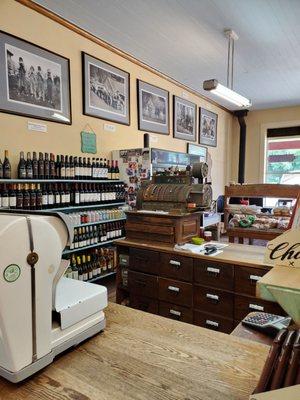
x=213 y=301
x=176 y=292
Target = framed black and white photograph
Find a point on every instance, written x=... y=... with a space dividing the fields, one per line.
x=153 y=108
x=34 y=82
x=197 y=150
x=208 y=122
x=105 y=91
x=184 y=115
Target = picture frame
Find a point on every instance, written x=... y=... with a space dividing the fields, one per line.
x=153 y=108
x=197 y=150
x=184 y=119
x=106 y=90
x=208 y=127
x=34 y=81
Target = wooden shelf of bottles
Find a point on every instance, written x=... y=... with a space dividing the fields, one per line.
x=90 y=246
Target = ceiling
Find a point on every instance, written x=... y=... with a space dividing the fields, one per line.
x=184 y=39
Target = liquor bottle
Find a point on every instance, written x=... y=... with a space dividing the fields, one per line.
x=89 y=267
x=26 y=198
x=85 y=273
x=117 y=171
x=72 y=168
x=52 y=166
x=102 y=261
x=47 y=166
x=22 y=166
x=67 y=167
x=62 y=173
x=113 y=173
x=29 y=167
x=32 y=194
x=12 y=195
x=108 y=170
x=35 y=166
x=75 y=240
x=80 y=271
x=19 y=197
x=1 y=169
x=5 y=198
x=75 y=273
x=6 y=166
x=39 y=197
x=41 y=166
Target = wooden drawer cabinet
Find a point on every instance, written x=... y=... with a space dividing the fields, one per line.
x=143 y=284
x=213 y=301
x=174 y=311
x=176 y=292
x=214 y=274
x=213 y=322
x=246 y=304
x=246 y=278
x=143 y=303
x=177 y=267
x=144 y=261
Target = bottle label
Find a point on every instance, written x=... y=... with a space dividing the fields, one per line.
x=57 y=198
x=77 y=171
x=67 y=172
x=5 y=201
x=50 y=199
x=45 y=199
x=77 y=198
x=63 y=172
x=12 y=201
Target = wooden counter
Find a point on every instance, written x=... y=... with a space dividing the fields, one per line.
x=142 y=356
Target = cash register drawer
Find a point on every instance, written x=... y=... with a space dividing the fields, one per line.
x=176 y=292
x=143 y=284
x=177 y=267
x=213 y=301
x=174 y=311
x=144 y=260
x=213 y=322
x=144 y=303
x=246 y=304
x=209 y=273
x=246 y=278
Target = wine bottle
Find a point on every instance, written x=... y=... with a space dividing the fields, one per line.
x=76 y=168
x=117 y=171
x=19 y=197
x=26 y=198
x=47 y=166
x=5 y=198
x=44 y=197
x=12 y=197
x=67 y=167
x=6 y=166
x=1 y=169
x=41 y=166
x=52 y=166
x=72 y=168
x=112 y=169
x=39 y=198
x=51 y=198
x=32 y=194
x=89 y=168
x=62 y=167
x=104 y=169
x=29 y=167
x=108 y=170
x=22 y=166
x=35 y=166
x=57 y=167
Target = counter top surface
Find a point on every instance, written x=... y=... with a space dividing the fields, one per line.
x=241 y=254
x=142 y=356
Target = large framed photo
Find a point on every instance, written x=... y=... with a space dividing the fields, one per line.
x=34 y=82
x=184 y=115
x=208 y=122
x=105 y=90
x=153 y=108
x=197 y=150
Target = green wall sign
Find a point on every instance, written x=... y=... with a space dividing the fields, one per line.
x=88 y=142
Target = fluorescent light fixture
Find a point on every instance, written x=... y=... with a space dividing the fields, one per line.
x=225 y=93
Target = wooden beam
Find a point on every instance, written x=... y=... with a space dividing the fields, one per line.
x=50 y=14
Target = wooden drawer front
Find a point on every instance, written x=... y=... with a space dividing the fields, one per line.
x=143 y=284
x=176 y=292
x=144 y=260
x=244 y=305
x=213 y=301
x=177 y=267
x=144 y=303
x=174 y=311
x=214 y=274
x=246 y=278
x=213 y=322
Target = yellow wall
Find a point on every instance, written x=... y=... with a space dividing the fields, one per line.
x=257 y=124
x=36 y=28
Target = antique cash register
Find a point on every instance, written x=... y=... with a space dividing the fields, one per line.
x=170 y=205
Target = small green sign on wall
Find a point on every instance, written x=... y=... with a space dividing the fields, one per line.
x=88 y=142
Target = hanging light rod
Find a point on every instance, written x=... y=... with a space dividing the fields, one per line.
x=227 y=92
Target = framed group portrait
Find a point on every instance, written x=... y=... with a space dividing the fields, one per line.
x=208 y=124
x=184 y=119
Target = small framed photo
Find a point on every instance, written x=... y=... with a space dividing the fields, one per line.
x=106 y=92
x=184 y=119
x=34 y=82
x=153 y=108
x=197 y=150
x=208 y=122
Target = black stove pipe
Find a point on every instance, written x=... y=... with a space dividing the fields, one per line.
x=241 y=114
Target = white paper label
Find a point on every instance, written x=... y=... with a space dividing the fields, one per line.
x=109 y=127
x=33 y=126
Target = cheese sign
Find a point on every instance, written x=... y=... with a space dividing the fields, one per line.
x=284 y=250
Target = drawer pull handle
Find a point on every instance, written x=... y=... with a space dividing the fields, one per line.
x=256 y=307
x=213 y=270
x=212 y=323
x=176 y=313
x=212 y=297
x=175 y=263
x=174 y=289
x=254 y=278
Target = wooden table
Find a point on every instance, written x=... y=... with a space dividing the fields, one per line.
x=142 y=356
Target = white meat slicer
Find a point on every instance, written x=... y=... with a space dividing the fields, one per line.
x=33 y=290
